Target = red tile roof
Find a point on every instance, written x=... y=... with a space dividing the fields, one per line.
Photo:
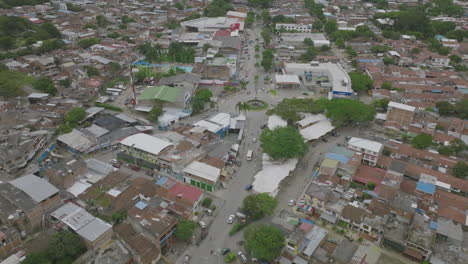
x=365 y=174
x=186 y=192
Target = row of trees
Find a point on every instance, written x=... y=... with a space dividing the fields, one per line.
x=267 y=59
x=460 y=109
x=177 y=52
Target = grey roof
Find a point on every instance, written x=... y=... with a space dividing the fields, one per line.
x=319 y=191
x=36 y=188
x=184 y=77
x=397 y=166
x=312 y=240
x=449 y=229
x=13 y=198
x=229 y=42
x=344 y=251
x=94 y=229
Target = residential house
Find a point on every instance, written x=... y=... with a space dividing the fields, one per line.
x=94 y=231
x=10 y=241
x=144 y=250
x=178 y=192
x=65 y=173
x=402 y=114
x=24 y=201
x=304 y=28
x=311 y=242
x=371 y=150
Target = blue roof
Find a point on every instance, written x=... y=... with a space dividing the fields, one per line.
x=302 y=220
x=369 y=60
x=341 y=158
x=342 y=151
x=463 y=90
x=141 y=205
x=433 y=225
x=439 y=37
x=426 y=187
x=162 y=181
x=437 y=91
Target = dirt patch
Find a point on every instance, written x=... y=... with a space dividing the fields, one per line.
x=38 y=242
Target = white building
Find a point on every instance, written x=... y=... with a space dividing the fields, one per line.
x=328 y=75
x=304 y=28
x=297 y=39
x=212 y=24
x=371 y=150
x=202 y=175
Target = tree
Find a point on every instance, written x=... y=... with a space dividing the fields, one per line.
x=75 y=115
x=230 y=257
x=324 y=48
x=388 y=61
x=119 y=217
x=46 y=85
x=331 y=26
x=179 y=5
x=88 y=42
x=345 y=111
x=387 y=86
x=445 y=108
x=114 y=67
x=283 y=143
x=243 y=84
x=360 y=82
x=381 y=103
x=266 y=36
x=184 y=230
x=204 y=94
x=267 y=59
x=460 y=170
x=422 y=141
x=7 y=42
x=102 y=21
x=197 y=105
x=155 y=113
x=461 y=108
x=309 y=42
x=289 y=109
x=218 y=8
x=263 y=242
x=340 y=43
x=65 y=82
x=91 y=71
x=65 y=245
x=259 y=205
x=371 y=185
x=309 y=55
x=242 y=106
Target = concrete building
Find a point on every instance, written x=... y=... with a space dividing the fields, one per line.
x=402 y=114
x=371 y=150
x=304 y=28
x=94 y=231
x=143 y=149
x=24 y=200
x=297 y=39
x=329 y=76
x=212 y=24
x=202 y=175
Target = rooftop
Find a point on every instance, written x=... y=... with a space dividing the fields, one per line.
x=401 y=106
x=146 y=143
x=164 y=93
x=366 y=144
x=203 y=170
x=36 y=188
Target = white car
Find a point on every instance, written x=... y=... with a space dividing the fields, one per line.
x=202 y=224
x=291 y=202
x=254 y=140
x=230 y=219
x=113 y=161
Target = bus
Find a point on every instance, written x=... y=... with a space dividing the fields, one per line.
x=249 y=155
x=113 y=91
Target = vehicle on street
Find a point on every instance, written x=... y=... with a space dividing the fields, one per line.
x=208 y=211
x=224 y=251
x=291 y=202
x=248 y=187
x=324 y=140
x=116 y=165
x=135 y=168
x=202 y=224
x=347 y=137
x=254 y=140
x=249 y=155
x=230 y=219
x=113 y=161
x=186 y=259
x=242 y=256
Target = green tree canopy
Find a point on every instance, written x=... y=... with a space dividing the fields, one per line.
x=88 y=42
x=259 y=205
x=263 y=242
x=422 y=141
x=204 y=94
x=155 y=113
x=185 y=229
x=260 y=3
x=46 y=85
x=283 y=143
x=75 y=115
x=460 y=170
x=267 y=59
x=218 y=8
x=345 y=111
x=289 y=108
x=360 y=82
x=266 y=36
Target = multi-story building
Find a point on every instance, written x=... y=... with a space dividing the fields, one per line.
x=402 y=114
x=143 y=149
x=371 y=150
x=304 y=28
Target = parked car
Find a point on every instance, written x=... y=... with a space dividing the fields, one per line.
x=230 y=219
x=248 y=187
x=186 y=259
x=208 y=211
x=113 y=161
x=135 y=168
x=116 y=165
x=202 y=224
x=242 y=256
x=224 y=251
x=291 y=202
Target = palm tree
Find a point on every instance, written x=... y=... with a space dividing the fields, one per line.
x=243 y=84
x=242 y=107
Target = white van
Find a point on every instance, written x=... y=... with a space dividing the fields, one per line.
x=249 y=155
